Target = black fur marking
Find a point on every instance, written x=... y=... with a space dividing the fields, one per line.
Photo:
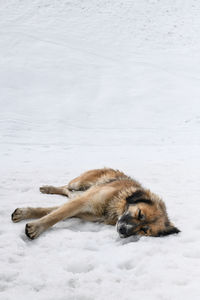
x=137 y=197
x=127 y=218
x=147 y=201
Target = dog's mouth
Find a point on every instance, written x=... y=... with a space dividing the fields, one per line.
x=123 y=236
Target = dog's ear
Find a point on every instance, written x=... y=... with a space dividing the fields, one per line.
x=169 y=229
x=138 y=197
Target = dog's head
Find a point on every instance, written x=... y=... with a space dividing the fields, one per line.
x=145 y=214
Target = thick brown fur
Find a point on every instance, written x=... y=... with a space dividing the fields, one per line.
x=103 y=195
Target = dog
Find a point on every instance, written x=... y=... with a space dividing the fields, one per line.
x=102 y=195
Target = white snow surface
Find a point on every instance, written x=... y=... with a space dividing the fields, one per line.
x=87 y=84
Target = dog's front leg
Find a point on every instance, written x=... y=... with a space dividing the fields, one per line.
x=24 y=213
x=69 y=209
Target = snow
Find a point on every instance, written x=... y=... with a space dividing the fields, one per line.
x=87 y=84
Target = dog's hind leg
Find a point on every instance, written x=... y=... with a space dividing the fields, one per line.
x=30 y=213
x=78 y=184
x=61 y=190
x=92 y=177
x=83 y=182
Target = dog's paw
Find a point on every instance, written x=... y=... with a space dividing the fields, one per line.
x=33 y=230
x=47 y=189
x=19 y=214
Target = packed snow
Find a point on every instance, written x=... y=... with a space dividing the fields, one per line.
x=87 y=84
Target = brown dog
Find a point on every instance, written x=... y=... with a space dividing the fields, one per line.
x=103 y=195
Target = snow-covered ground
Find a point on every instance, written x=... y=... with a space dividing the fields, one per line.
x=87 y=84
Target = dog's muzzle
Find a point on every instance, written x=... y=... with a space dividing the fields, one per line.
x=125 y=230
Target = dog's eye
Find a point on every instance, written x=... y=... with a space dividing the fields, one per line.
x=145 y=229
x=140 y=215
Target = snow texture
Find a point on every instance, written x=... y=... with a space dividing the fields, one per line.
x=87 y=84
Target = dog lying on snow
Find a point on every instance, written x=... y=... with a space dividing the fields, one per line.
x=103 y=195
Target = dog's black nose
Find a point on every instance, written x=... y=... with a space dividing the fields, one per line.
x=122 y=230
